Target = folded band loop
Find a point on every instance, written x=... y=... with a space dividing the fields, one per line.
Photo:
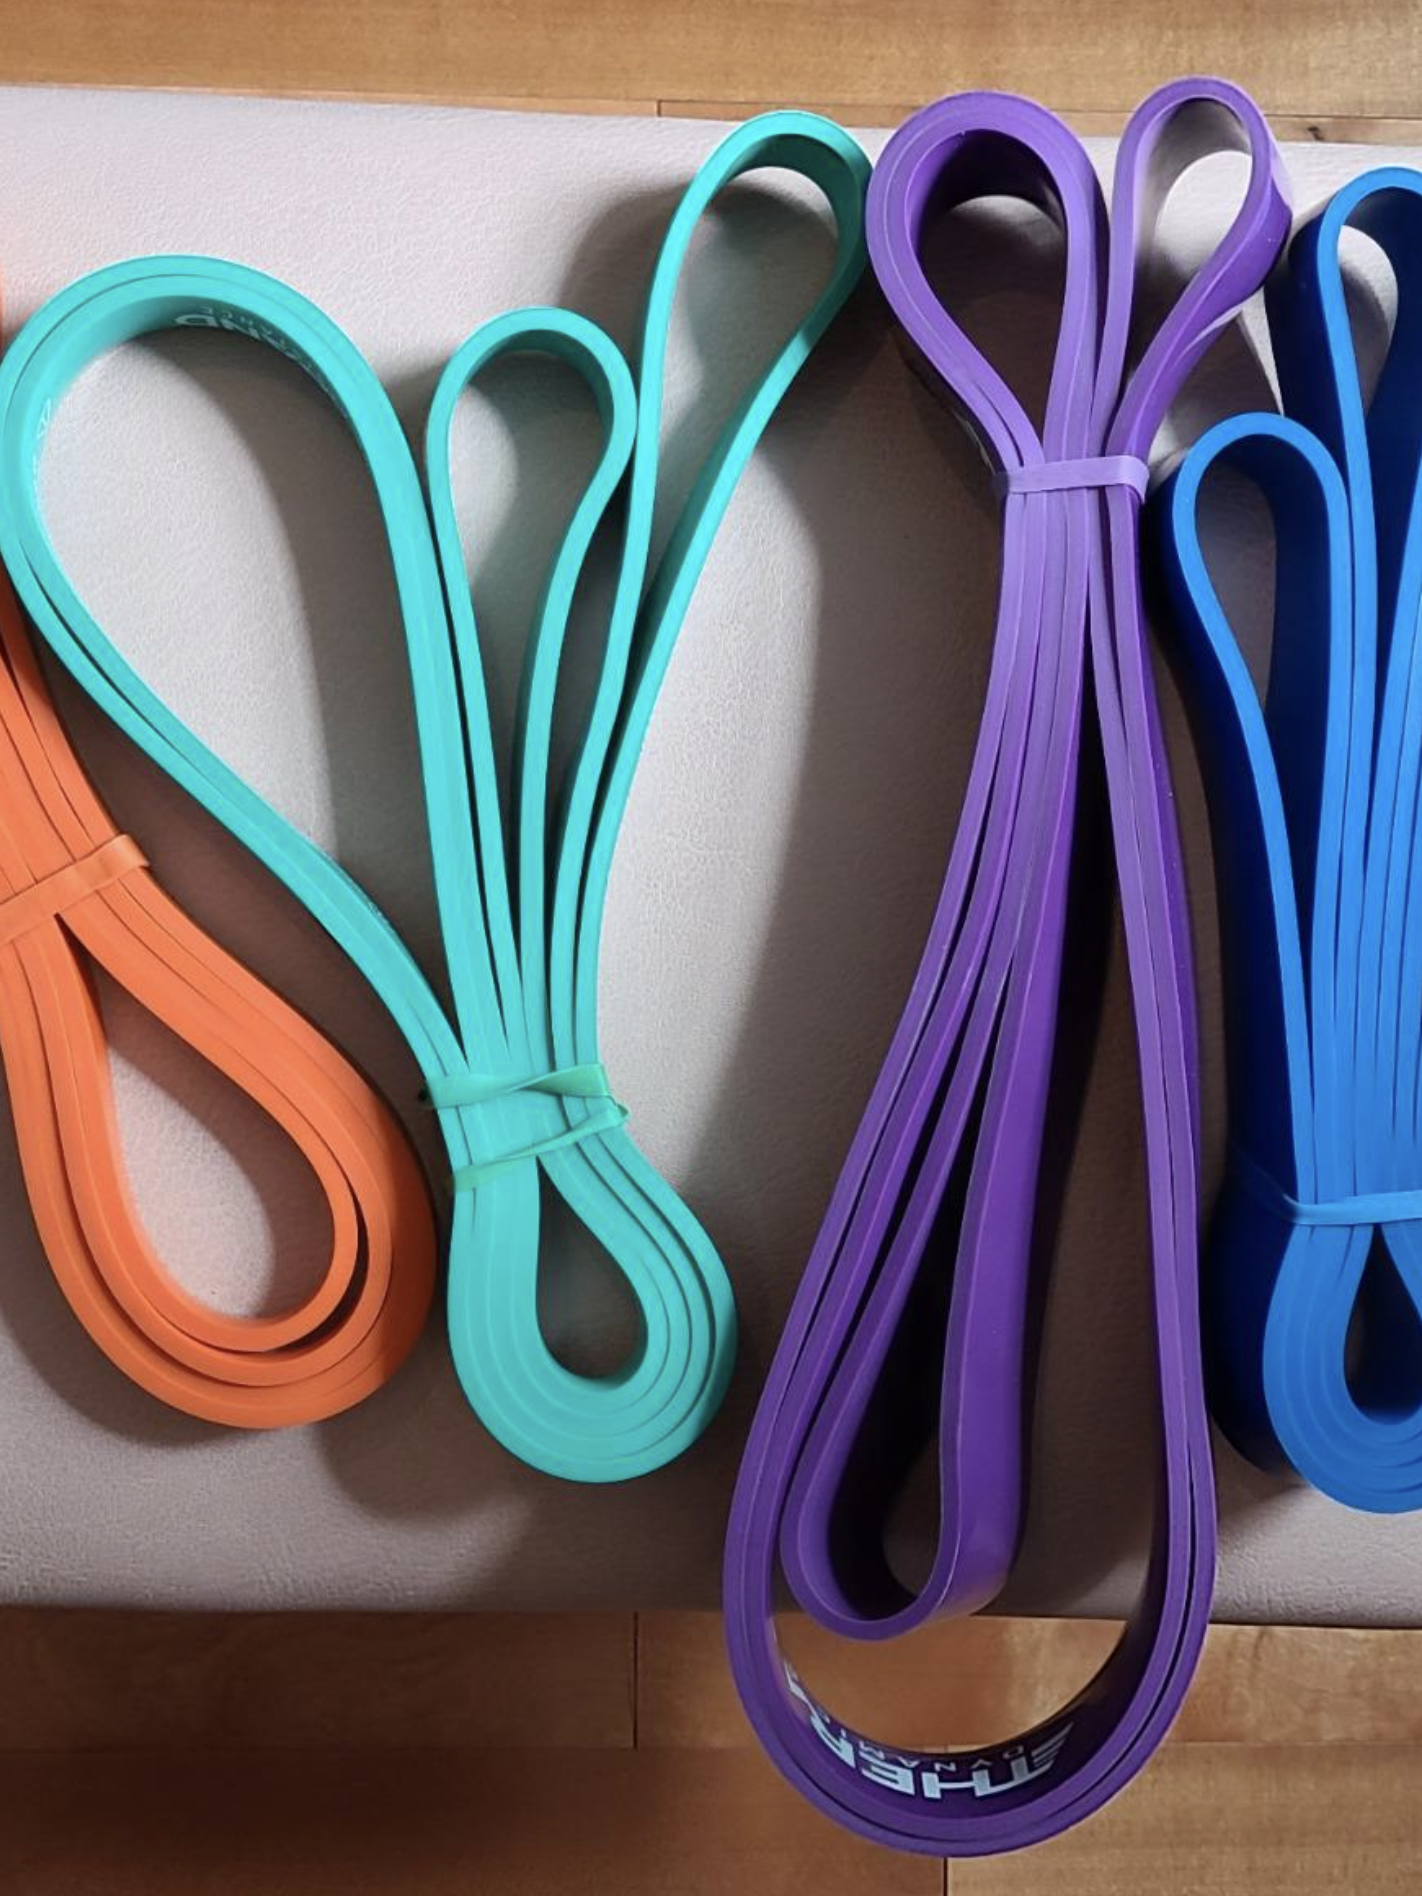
x=1094 y=470
x=915 y=1313
x=1362 y=1208
x=1314 y=786
x=30 y=908
x=77 y=898
x=521 y=860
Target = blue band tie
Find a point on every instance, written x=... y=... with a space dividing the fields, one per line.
x=1361 y=1208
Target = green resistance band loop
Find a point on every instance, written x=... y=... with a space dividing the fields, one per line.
x=520 y=925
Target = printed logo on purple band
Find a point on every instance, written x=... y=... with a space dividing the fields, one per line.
x=924 y=1775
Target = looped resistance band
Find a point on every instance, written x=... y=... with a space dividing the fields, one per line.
x=1315 y=796
x=73 y=891
x=521 y=929
x=910 y=1325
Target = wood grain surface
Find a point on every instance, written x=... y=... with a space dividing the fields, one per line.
x=1325 y=69
x=370 y=1755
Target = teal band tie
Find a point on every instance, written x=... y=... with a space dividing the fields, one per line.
x=453 y=1090
x=521 y=918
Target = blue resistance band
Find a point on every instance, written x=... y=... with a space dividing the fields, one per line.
x=515 y=1074
x=1314 y=797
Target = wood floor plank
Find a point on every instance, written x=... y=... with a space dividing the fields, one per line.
x=375 y=1754
x=865 y=112
x=1359 y=60
x=1319 y=128
x=534 y=102
x=80 y=1680
x=1213 y=1820
x=1306 y=1685
x=969 y=1681
x=443 y=1823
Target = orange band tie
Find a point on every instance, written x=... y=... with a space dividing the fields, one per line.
x=28 y=909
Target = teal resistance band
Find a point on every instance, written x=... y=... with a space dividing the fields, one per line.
x=515 y=1075
x=1316 y=795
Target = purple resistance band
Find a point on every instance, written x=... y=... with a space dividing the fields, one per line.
x=912 y=1318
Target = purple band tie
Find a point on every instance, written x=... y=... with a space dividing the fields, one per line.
x=911 y=1321
x=1063 y=477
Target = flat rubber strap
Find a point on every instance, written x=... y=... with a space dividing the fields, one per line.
x=1061 y=477
x=74 y=894
x=605 y=1119
x=1362 y=1208
x=943 y=1173
x=588 y=1082
x=27 y=909
x=520 y=919
x=474 y=1089
x=1314 y=1269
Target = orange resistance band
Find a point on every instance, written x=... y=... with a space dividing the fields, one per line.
x=71 y=887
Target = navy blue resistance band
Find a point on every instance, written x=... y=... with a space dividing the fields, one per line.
x=516 y=1074
x=1314 y=795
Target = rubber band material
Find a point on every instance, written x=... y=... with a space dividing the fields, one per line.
x=1362 y=1208
x=521 y=870
x=75 y=894
x=588 y=1082
x=1313 y=1303
x=470 y=1177
x=27 y=909
x=932 y=1220
x=1090 y=471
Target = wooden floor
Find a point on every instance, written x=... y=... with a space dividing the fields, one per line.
x=344 y=1755
x=1322 y=68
